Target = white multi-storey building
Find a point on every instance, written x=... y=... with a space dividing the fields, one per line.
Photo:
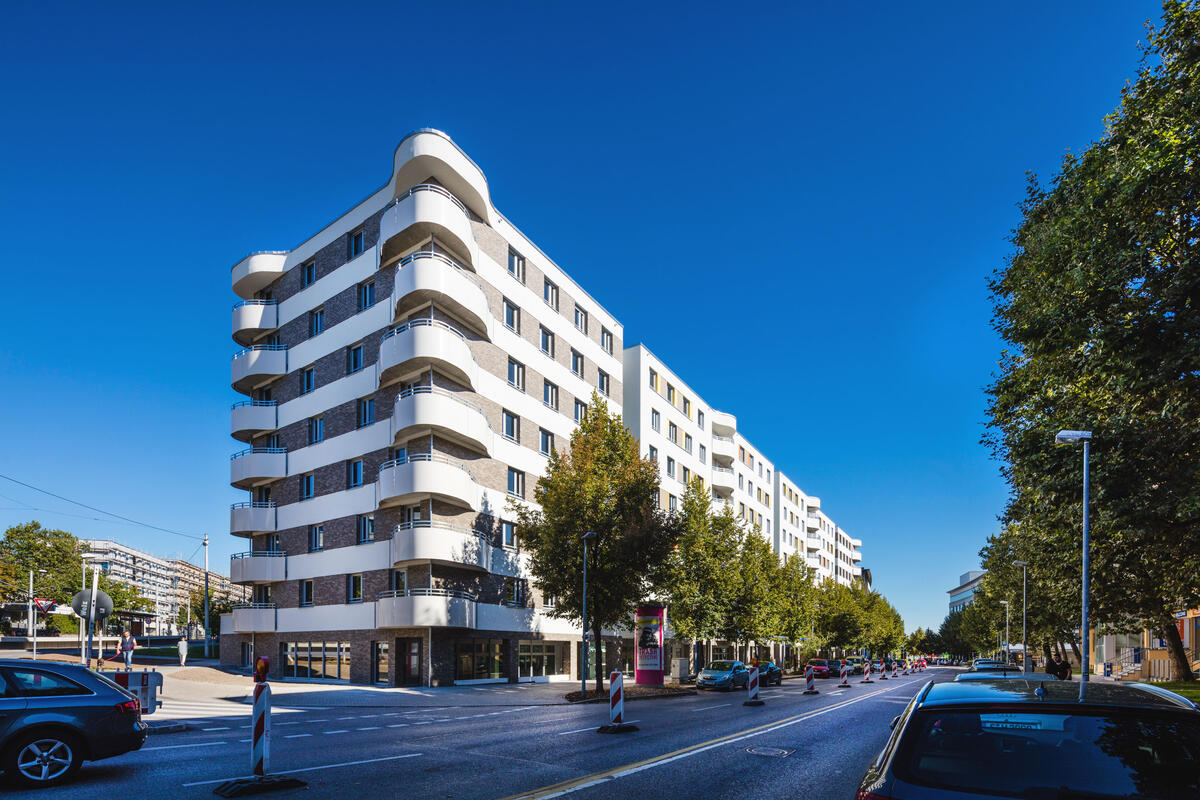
x=407 y=370
x=153 y=577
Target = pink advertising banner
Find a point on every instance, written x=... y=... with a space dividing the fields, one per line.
x=649 y=662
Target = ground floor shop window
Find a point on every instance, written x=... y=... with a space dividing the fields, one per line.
x=476 y=659
x=623 y=654
x=720 y=653
x=316 y=660
x=536 y=659
x=379 y=667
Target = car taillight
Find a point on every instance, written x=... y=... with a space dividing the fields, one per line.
x=128 y=707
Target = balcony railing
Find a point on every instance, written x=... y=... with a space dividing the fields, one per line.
x=254 y=450
x=255 y=303
x=426 y=593
x=415 y=390
x=271 y=606
x=259 y=554
x=450 y=262
x=429 y=187
x=722 y=470
x=408 y=459
x=257 y=347
x=419 y=323
x=255 y=504
x=255 y=403
x=718 y=437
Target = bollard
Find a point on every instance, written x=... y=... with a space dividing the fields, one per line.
x=260 y=739
x=260 y=745
x=845 y=684
x=867 y=673
x=752 y=688
x=616 y=706
x=811 y=687
x=905 y=667
x=883 y=671
x=895 y=670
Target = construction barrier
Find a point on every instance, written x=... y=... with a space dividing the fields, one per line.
x=810 y=686
x=867 y=673
x=895 y=670
x=905 y=667
x=260 y=739
x=145 y=685
x=883 y=671
x=752 y=688
x=845 y=684
x=616 y=698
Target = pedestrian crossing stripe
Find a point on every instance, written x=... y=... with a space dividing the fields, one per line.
x=206 y=709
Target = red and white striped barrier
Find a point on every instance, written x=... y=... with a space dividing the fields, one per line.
x=260 y=740
x=616 y=698
x=845 y=684
x=883 y=671
x=752 y=688
x=810 y=687
x=895 y=670
x=867 y=673
x=905 y=667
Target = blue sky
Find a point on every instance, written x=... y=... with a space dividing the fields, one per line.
x=796 y=208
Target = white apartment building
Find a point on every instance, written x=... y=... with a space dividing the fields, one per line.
x=152 y=576
x=406 y=371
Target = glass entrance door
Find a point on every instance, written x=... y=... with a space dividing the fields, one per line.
x=379 y=662
x=409 y=666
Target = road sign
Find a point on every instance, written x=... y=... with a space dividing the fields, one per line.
x=43 y=605
x=82 y=600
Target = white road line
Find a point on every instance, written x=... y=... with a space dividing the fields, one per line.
x=297 y=735
x=339 y=719
x=310 y=769
x=217 y=729
x=579 y=730
x=707 y=708
x=399 y=725
x=330 y=733
x=177 y=746
x=368 y=728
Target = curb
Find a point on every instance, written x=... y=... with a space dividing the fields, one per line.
x=167 y=727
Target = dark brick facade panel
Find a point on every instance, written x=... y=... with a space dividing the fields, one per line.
x=328 y=258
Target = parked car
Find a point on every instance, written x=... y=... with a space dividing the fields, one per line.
x=769 y=674
x=723 y=675
x=821 y=668
x=991 y=675
x=1006 y=738
x=53 y=717
x=856 y=663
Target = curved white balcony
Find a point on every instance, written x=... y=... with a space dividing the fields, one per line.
x=256 y=465
x=428 y=409
x=254 y=618
x=441 y=542
x=813 y=502
x=251 y=417
x=423 y=211
x=423 y=277
x=812 y=522
x=252 y=318
x=855 y=555
x=421 y=476
x=256 y=271
x=258 y=567
x=427 y=152
x=723 y=480
x=256 y=365
x=420 y=344
x=424 y=608
x=247 y=519
x=723 y=447
x=723 y=423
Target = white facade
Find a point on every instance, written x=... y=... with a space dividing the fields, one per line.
x=154 y=577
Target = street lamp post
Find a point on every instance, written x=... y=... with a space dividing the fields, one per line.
x=1026 y=664
x=1006 y=605
x=1074 y=437
x=589 y=536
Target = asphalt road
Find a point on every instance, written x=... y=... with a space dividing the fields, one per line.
x=684 y=748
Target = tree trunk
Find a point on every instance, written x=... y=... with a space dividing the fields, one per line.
x=1046 y=651
x=1183 y=668
x=600 y=666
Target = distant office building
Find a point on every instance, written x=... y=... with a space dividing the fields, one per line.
x=189 y=579
x=963 y=595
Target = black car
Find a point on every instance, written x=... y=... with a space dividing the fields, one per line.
x=769 y=674
x=53 y=717
x=1015 y=738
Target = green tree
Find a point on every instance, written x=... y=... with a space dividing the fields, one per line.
x=754 y=610
x=53 y=555
x=883 y=631
x=841 y=619
x=1100 y=305
x=951 y=636
x=797 y=593
x=600 y=484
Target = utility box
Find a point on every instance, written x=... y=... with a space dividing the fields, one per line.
x=679 y=670
x=144 y=685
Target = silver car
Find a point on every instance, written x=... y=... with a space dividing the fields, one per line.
x=53 y=717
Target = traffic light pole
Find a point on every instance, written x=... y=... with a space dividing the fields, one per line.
x=207 y=638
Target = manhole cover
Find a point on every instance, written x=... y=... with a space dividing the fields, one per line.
x=769 y=752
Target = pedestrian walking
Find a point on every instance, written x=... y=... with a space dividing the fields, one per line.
x=128 y=643
x=183 y=648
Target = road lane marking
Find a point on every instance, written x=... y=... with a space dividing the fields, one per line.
x=330 y=733
x=309 y=769
x=576 y=784
x=399 y=725
x=177 y=746
x=297 y=735
x=368 y=728
x=706 y=708
x=215 y=729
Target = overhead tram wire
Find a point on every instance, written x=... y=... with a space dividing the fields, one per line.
x=102 y=511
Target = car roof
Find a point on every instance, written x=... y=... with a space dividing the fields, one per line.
x=999 y=674
x=1021 y=690
x=29 y=662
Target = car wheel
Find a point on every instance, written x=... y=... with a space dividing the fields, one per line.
x=43 y=759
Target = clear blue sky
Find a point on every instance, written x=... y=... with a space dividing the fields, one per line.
x=797 y=208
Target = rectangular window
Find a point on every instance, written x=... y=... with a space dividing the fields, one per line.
x=550 y=601
x=546 y=340
x=512 y=426
x=354 y=359
x=316 y=538
x=655 y=420
x=308 y=274
x=685 y=474
x=670 y=467
x=654 y=380
x=398 y=580
x=365 y=528
x=354 y=588
x=512 y=592
x=354 y=473
x=687 y=442
x=512 y=316
x=508 y=530
x=516 y=482
x=577 y=363
x=700 y=419
x=606 y=340
x=545 y=442
x=366 y=295
x=516 y=374
x=550 y=395
x=673 y=432
x=306 y=593
x=357 y=244
x=581 y=321
x=580 y=411
x=602 y=382
x=687 y=408
x=516 y=265
x=670 y=394
x=703 y=454
x=316 y=430
x=653 y=453
x=365 y=412
x=672 y=502
x=308 y=380
x=308 y=486
x=550 y=294
x=316 y=321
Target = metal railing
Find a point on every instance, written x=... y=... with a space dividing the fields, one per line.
x=236 y=306
x=258 y=554
x=722 y=470
x=257 y=347
x=432 y=457
x=427 y=593
x=415 y=390
x=430 y=187
x=422 y=323
x=261 y=606
x=483 y=537
x=255 y=504
x=719 y=438
x=436 y=256
x=256 y=403
x=255 y=450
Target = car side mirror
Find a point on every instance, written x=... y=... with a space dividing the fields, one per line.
x=895 y=720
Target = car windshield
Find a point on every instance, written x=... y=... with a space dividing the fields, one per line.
x=819 y=662
x=720 y=666
x=1028 y=752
